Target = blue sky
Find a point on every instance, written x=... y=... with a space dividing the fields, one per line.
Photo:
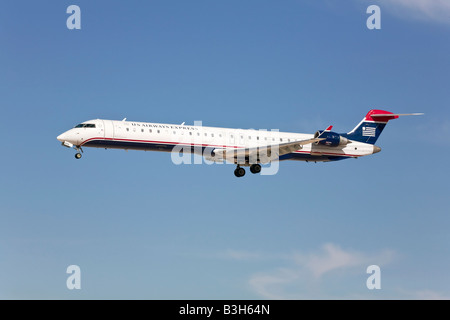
x=141 y=227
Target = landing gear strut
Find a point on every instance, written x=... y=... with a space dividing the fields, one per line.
x=239 y=172
x=78 y=154
x=255 y=168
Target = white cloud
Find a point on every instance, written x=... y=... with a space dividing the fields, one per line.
x=330 y=272
x=425 y=295
x=307 y=270
x=429 y=295
x=435 y=10
x=271 y=285
x=332 y=257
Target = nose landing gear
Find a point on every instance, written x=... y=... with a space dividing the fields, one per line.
x=78 y=154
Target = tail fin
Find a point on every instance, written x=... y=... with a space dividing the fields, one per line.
x=370 y=128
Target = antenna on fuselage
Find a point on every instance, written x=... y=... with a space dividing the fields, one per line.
x=124 y=119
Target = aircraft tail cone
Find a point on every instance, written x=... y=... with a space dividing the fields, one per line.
x=376 y=149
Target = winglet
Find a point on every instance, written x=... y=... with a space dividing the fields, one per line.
x=124 y=119
x=329 y=128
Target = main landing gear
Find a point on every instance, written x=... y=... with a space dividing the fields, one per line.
x=255 y=168
x=240 y=172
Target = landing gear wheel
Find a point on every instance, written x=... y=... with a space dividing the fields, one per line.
x=77 y=155
x=255 y=168
x=239 y=172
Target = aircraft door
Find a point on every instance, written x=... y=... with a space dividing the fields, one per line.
x=241 y=139
x=99 y=128
x=231 y=139
x=108 y=131
x=120 y=129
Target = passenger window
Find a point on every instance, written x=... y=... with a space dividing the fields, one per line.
x=142 y=130
x=128 y=129
x=150 y=130
x=212 y=135
x=158 y=131
x=257 y=138
x=190 y=133
x=249 y=138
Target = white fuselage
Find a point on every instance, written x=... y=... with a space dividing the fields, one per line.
x=164 y=137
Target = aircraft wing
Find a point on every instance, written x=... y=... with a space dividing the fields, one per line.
x=260 y=154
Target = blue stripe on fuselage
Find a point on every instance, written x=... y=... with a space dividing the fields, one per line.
x=118 y=144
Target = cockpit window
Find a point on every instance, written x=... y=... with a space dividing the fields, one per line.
x=85 y=125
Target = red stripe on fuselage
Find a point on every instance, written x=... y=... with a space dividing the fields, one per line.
x=160 y=142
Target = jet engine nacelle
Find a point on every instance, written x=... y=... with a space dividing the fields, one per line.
x=332 y=139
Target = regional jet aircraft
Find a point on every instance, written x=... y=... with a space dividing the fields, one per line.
x=244 y=148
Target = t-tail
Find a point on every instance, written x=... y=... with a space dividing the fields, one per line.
x=370 y=128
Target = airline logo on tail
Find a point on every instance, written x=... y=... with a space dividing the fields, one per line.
x=368 y=132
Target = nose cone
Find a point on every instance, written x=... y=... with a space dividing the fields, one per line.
x=61 y=137
x=376 y=149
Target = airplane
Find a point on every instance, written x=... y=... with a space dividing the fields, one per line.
x=242 y=147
